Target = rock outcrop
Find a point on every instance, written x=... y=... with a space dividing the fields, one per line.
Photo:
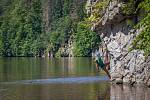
x=126 y=66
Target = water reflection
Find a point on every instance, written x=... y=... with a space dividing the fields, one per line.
x=12 y=69
x=125 y=92
x=22 y=69
x=96 y=91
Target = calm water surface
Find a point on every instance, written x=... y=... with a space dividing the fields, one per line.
x=60 y=79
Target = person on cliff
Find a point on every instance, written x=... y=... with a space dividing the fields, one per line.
x=100 y=64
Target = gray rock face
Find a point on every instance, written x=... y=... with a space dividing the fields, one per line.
x=119 y=81
x=126 y=66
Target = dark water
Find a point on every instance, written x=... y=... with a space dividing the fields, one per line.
x=60 y=79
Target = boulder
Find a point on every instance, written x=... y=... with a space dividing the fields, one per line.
x=119 y=81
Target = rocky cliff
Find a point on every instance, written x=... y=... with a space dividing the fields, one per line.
x=117 y=35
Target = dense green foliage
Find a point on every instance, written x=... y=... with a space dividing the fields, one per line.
x=66 y=17
x=142 y=41
x=21 y=26
x=20 y=29
x=61 y=32
x=129 y=7
x=85 y=40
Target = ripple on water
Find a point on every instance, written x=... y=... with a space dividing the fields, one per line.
x=66 y=80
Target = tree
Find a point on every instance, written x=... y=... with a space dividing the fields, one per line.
x=85 y=40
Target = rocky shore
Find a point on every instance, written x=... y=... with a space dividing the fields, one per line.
x=127 y=66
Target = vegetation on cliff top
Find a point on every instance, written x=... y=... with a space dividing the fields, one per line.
x=142 y=41
x=98 y=11
x=130 y=8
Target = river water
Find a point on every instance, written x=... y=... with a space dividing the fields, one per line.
x=60 y=79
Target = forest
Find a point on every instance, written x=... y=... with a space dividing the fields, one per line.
x=42 y=27
x=24 y=31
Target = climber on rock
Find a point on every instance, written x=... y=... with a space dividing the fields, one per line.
x=100 y=64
